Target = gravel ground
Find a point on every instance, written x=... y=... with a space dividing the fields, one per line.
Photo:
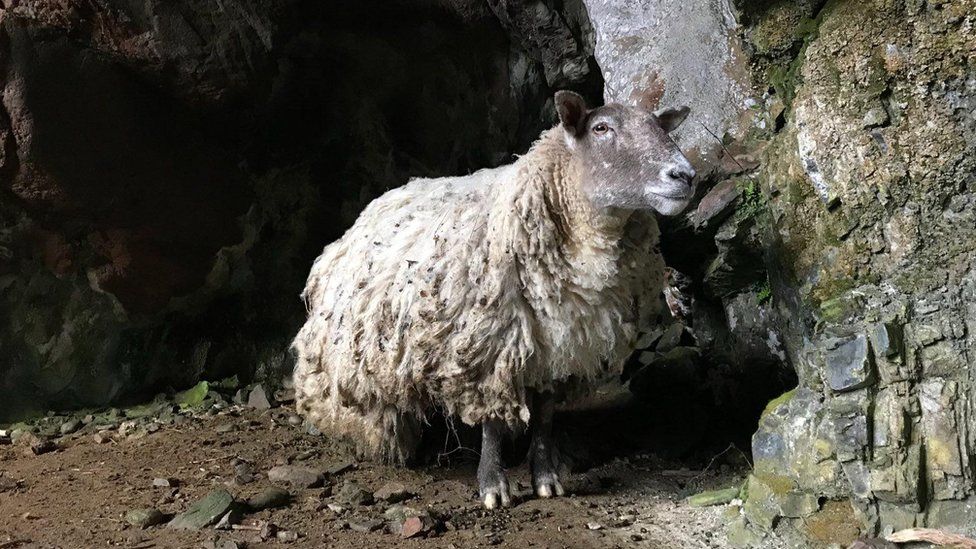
x=94 y=479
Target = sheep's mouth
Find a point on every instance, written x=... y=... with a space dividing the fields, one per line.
x=672 y=196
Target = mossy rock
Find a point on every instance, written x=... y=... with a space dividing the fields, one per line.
x=835 y=524
x=777 y=402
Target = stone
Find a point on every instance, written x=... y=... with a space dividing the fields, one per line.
x=594 y=526
x=393 y=492
x=398 y=513
x=287 y=536
x=675 y=54
x=243 y=473
x=714 y=497
x=365 y=525
x=144 y=518
x=719 y=202
x=162 y=482
x=43 y=446
x=258 y=398
x=741 y=535
x=352 y=494
x=101 y=437
x=193 y=396
x=70 y=426
x=269 y=498
x=415 y=526
x=268 y=530
x=230 y=518
x=204 y=512
x=848 y=364
x=338 y=467
x=297 y=476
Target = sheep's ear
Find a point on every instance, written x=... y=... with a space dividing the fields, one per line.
x=572 y=111
x=670 y=119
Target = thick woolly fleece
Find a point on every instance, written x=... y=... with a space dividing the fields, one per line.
x=464 y=294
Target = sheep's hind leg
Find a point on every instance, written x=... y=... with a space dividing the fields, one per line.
x=543 y=458
x=492 y=483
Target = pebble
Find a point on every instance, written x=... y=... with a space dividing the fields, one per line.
x=295 y=475
x=43 y=446
x=229 y=519
x=594 y=526
x=352 y=494
x=204 y=512
x=258 y=398
x=412 y=527
x=400 y=513
x=339 y=467
x=160 y=482
x=365 y=525
x=268 y=530
x=287 y=536
x=144 y=518
x=243 y=473
x=294 y=420
x=226 y=428
x=393 y=492
x=269 y=498
x=70 y=426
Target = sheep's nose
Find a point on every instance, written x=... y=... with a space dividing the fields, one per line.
x=683 y=174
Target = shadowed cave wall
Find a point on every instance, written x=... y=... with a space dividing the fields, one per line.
x=170 y=170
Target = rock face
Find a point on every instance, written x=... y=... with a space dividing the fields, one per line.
x=169 y=170
x=676 y=53
x=848 y=252
x=873 y=263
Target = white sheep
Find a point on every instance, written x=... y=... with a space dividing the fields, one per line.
x=483 y=296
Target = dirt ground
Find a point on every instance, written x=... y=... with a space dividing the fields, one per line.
x=77 y=495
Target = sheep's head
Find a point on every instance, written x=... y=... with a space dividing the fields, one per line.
x=628 y=159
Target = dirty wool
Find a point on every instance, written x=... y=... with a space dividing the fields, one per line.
x=463 y=295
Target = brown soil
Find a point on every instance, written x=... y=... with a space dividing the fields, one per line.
x=77 y=496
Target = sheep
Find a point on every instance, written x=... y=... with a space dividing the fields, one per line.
x=484 y=296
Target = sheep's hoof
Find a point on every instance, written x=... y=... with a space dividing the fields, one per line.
x=496 y=495
x=549 y=489
x=494 y=500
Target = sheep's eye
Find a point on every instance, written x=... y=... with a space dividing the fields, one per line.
x=601 y=128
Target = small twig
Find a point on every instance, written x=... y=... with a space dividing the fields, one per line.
x=452 y=430
x=711 y=462
x=930 y=535
x=245 y=527
x=710 y=132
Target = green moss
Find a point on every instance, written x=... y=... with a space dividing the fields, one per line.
x=713 y=497
x=193 y=396
x=834 y=524
x=784 y=75
x=764 y=292
x=777 y=402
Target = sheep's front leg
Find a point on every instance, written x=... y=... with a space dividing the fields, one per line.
x=543 y=458
x=492 y=484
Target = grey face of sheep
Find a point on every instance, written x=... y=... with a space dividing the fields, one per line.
x=629 y=161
